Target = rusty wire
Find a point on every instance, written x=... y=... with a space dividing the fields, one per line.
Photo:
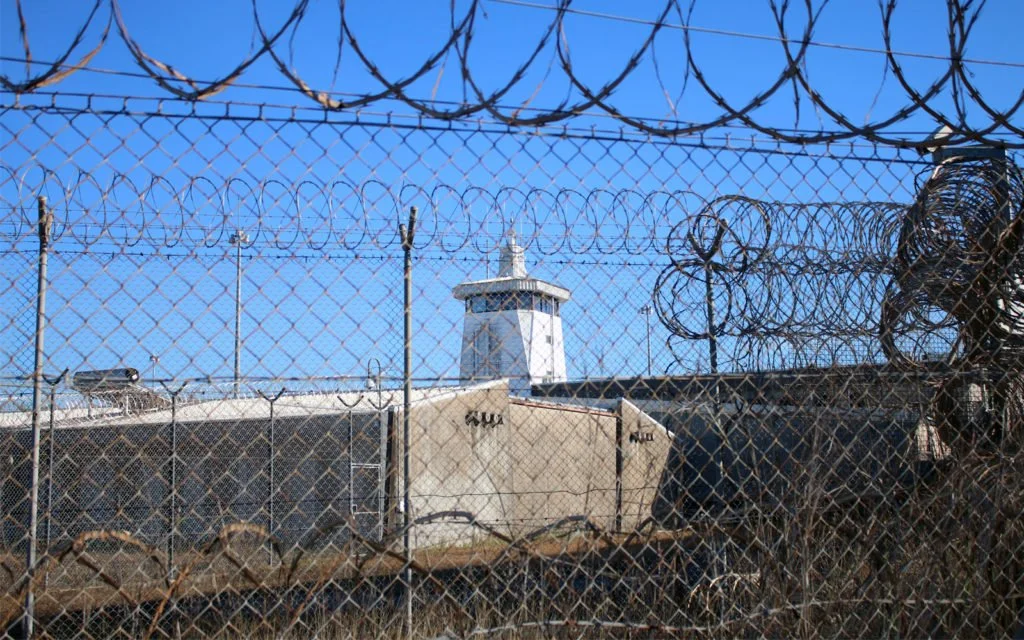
x=822 y=474
x=955 y=80
x=960 y=254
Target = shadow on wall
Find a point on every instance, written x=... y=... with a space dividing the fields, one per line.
x=728 y=461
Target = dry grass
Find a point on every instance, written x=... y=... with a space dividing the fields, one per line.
x=945 y=560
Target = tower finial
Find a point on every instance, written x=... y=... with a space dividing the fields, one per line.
x=512 y=261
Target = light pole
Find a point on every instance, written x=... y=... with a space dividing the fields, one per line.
x=646 y=310
x=374 y=381
x=155 y=359
x=238 y=239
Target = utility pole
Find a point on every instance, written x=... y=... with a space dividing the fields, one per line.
x=646 y=310
x=238 y=239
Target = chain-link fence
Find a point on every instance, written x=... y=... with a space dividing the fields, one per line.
x=272 y=371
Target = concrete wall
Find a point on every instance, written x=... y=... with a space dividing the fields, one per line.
x=645 y=448
x=525 y=346
x=769 y=454
x=518 y=465
x=459 y=462
x=515 y=464
x=564 y=464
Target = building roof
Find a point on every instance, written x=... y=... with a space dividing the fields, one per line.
x=512 y=277
x=504 y=285
x=248 y=408
x=865 y=385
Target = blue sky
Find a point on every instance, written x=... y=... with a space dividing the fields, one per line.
x=323 y=310
x=207 y=41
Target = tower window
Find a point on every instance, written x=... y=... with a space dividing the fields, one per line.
x=503 y=301
x=487 y=354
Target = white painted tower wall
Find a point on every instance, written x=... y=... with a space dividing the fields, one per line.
x=526 y=346
x=522 y=340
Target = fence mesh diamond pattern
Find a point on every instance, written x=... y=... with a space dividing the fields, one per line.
x=655 y=386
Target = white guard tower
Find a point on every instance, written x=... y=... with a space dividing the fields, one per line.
x=513 y=325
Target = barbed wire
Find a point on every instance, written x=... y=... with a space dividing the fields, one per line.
x=960 y=255
x=896 y=283
x=752 y=36
x=777 y=278
x=196 y=213
x=790 y=283
x=775 y=498
x=959 y=252
x=955 y=82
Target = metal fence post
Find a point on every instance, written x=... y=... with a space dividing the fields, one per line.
x=270 y=464
x=45 y=229
x=619 y=467
x=646 y=311
x=407 y=234
x=237 y=239
x=382 y=442
x=172 y=487
x=53 y=382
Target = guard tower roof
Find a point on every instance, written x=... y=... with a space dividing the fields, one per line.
x=511 y=277
x=504 y=285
